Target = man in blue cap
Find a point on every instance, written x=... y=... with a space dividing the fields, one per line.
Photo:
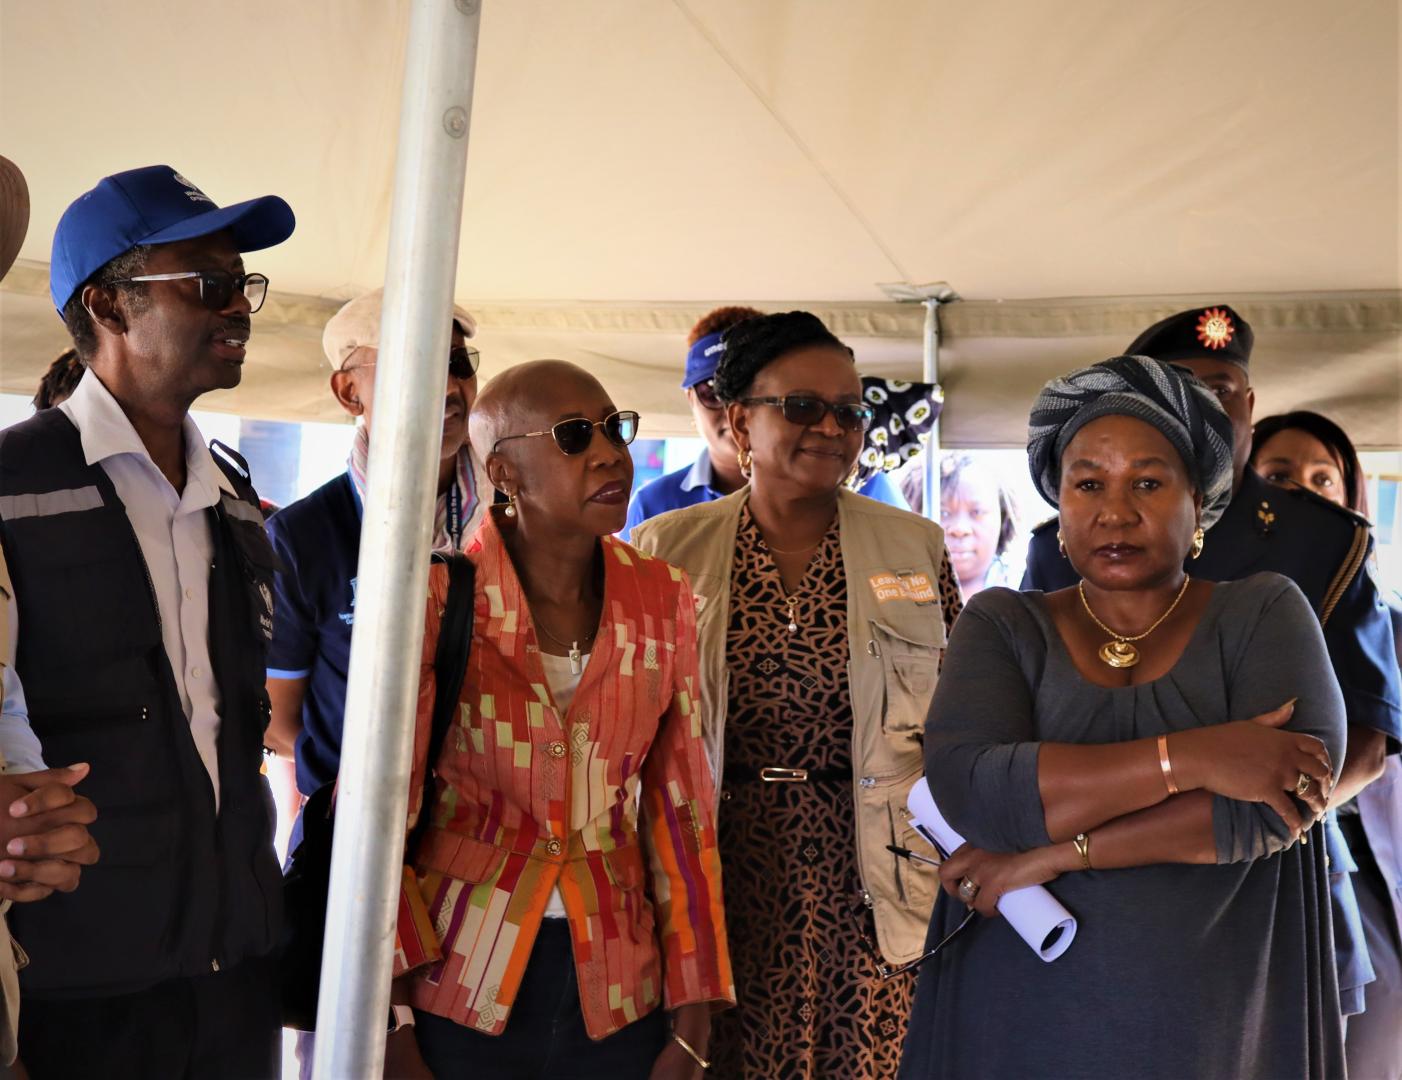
x=1324 y=549
x=143 y=581
x=717 y=471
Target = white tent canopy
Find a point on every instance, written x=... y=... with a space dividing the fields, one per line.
x=635 y=162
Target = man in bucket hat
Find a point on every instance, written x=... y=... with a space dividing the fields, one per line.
x=143 y=581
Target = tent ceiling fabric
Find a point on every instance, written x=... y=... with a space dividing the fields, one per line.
x=635 y=160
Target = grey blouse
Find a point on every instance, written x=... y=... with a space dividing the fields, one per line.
x=1198 y=971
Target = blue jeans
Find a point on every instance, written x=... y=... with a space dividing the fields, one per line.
x=544 y=1036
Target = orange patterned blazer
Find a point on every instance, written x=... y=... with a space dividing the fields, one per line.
x=612 y=801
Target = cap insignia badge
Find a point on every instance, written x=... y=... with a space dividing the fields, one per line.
x=1215 y=329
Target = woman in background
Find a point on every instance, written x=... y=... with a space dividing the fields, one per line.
x=1310 y=450
x=979 y=523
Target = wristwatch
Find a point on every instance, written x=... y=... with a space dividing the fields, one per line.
x=400 y=1016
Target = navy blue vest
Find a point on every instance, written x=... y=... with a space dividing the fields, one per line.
x=179 y=890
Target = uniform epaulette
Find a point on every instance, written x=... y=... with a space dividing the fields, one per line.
x=1305 y=495
x=1043 y=526
x=1357 y=550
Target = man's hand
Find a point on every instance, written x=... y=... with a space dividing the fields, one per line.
x=43 y=830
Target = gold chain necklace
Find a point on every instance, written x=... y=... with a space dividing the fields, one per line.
x=576 y=654
x=1120 y=653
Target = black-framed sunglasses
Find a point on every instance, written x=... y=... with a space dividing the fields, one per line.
x=805 y=410
x=463 y=361
x=217 y=287
x=574 y=436
x=705 y=392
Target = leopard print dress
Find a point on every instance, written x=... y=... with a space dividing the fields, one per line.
x=810 y=1003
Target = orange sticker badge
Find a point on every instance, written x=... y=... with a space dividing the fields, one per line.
x=1215 y=329
x=914 y=587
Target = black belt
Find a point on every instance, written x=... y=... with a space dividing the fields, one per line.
x=777 y=774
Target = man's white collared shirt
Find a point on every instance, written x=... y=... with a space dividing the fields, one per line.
x=172 y=529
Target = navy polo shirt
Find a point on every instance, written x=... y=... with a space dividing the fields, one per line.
x=318 y=540
x=692 y=485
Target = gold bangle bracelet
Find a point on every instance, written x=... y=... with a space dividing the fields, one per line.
x=691 y=1051
x=1082 y=842
x=1167 y=766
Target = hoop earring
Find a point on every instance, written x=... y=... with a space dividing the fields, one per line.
x=745 y=460
x=1060 y=543
x=1199 y=540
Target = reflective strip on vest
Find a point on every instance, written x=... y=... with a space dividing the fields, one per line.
x=237 y=508
x=50 y=503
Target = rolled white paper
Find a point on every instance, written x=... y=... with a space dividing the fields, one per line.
x=1033 y=912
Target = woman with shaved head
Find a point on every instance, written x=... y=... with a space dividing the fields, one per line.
x=570 y=873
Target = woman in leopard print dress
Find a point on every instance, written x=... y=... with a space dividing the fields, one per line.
x=822 y=620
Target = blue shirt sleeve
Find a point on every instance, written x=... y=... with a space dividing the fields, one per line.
x=1364 y=656
x=636 y=514
x=293 y=648
x=880 y=488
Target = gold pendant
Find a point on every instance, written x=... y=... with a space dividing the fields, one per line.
x=1119 y=654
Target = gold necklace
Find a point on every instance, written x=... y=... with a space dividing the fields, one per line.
x=1120 y=653
x=796 y=551
x=576 y=654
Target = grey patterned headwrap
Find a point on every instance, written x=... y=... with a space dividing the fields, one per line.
x=1162 y=395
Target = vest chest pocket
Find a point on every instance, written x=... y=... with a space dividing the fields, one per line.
x=910 y=670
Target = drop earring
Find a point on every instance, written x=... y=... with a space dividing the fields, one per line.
x=1199 y=540
x=510 y=510
x=744 y=459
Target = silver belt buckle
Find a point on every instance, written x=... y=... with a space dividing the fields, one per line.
x=783 y=776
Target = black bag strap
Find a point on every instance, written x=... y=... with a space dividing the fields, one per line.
x=449 y=668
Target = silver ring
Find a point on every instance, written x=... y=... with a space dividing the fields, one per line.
x=968 y=890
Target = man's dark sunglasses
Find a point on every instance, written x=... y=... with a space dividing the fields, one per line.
x=463 y=361
x=574 y=436
x=706 y=394
x=217 y=287
x=806 y=410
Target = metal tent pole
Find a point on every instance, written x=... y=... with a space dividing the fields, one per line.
x=382 y=689
x=932 y=376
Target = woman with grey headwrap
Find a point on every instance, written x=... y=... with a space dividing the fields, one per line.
x=1156 y=748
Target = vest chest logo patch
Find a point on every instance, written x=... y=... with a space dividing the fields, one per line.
x=265 y=616
x=348 y=617
x=908 y=586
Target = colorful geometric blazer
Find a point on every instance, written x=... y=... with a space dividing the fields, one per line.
x=612 y=801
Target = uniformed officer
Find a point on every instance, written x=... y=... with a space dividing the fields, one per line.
x=1322 y=547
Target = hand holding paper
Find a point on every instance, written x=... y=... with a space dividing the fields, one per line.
x=1033 y=912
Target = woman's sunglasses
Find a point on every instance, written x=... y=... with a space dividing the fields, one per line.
x=574 y=436
x=706 y=394
x=217 y=287
x=806 y=410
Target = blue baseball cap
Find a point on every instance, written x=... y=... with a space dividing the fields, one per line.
x=154 y=205
x=702 y=359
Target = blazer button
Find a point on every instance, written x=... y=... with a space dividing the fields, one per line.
x=554 y=847
x=557 y=749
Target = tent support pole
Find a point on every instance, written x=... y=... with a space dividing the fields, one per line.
x=382 y=689
x=932 y=376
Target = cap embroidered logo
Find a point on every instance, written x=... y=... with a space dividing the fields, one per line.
x=1215 y=329
x=192 y=191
